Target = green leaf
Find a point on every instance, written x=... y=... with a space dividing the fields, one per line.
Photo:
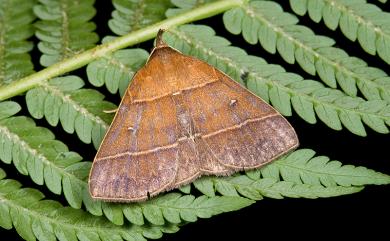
x=304 y=108
x=278 y=98
x=8 y=108
x=367 y=39
x=184 y=6
x=185 y=189
x=72 y=191
x=113 y=213
x=306 y=60
x=353 y=123
x=129 y=16
x=35 y=169
x=349 y=26
x=286 y=49
x=326 y=73
x=64 y=29
x=331 y=16
x=153 y=214
x=267 y=39
x=315 y=8
x=250 y=29
x=233 y=20
x=383 y=48
x=205 y=186
x=226 y=189
x=299 y=6
x=16 y=17
x=133 y=213
x=329 y=116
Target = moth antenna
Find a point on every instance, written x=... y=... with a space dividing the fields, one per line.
x=159 y=39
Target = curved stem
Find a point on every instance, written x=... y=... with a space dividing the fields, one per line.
x=135 y=37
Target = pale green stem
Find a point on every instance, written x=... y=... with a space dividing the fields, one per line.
x=135 y=37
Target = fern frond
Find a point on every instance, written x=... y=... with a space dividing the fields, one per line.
x=35 y=218
x=357 y=20
x=307 y=97
x=302 y=167
x=65 y=28
x=185 y=189
x=131 y=15
x=176 y=208
x=16 y=17
x=116 y=70
x=81 y=110
x=182 y=6
x=242 y=185
x=298 y=174
x=276 y=30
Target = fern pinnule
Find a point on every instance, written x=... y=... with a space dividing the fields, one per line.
x=16 y=17
x=37 y=218
x=286 y=91
x=8 y=108
x=78 y=109
x=132 y=15
x=182 y=6
x=276 y=30
x=357 y=19
x=64 y=29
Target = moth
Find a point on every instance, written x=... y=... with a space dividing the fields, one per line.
x=179 y=119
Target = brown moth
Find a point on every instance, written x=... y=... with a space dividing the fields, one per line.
x=181 y=118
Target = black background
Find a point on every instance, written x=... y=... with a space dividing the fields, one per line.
x=364 y=213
